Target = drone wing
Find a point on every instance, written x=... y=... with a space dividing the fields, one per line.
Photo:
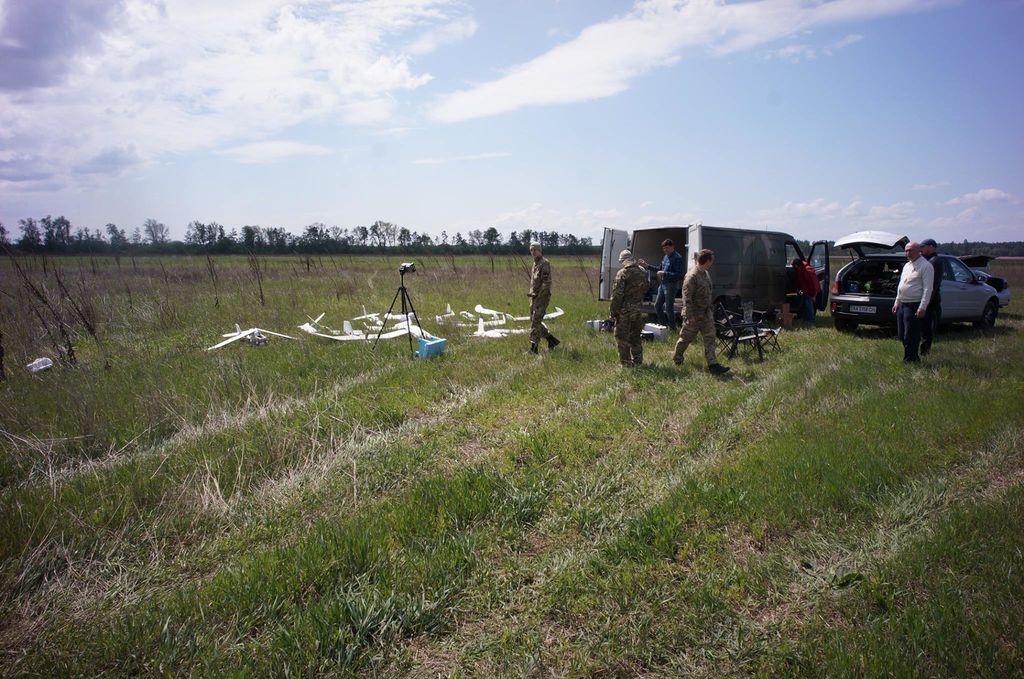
x=234 y=338
x=271 y=332
x=483 y=310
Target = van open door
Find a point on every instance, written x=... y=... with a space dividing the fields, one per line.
x=818 y=258
x=614 y=242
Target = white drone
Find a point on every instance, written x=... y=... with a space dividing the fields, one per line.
x=348 y=333
x=254 y=336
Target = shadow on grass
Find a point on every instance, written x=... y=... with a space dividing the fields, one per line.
x=959 y=332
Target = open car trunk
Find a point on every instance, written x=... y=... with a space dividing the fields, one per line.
x=875 y=277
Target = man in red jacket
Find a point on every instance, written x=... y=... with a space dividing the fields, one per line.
x=807 y=282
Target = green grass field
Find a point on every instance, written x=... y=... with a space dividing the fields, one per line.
x=318 y=508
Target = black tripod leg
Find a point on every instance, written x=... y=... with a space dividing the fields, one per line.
x=384 y=321
x=414 y=314
x=405 y=312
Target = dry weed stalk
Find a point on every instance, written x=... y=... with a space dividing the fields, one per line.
x=583 y=268
x=212 y=269
x=257 y=273
x=64 y=346
x=85 y=312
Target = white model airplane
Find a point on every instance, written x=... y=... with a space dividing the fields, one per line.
x=547 y=317
x=446 y=315
x=254 y=336
x=496 y=333
x=349 y=334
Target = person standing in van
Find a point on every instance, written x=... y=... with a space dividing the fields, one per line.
x=807 y=283
x=697 y=313
x=670 y=275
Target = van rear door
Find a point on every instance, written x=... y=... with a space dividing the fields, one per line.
x=614 y=242
x=818 y=258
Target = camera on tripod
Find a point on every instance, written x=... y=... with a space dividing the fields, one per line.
x=407 y=267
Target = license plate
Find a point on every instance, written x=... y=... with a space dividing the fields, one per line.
x=859 y=309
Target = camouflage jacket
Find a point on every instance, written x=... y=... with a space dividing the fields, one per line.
x=631 y=285
x=540 y=281
x=696 y=293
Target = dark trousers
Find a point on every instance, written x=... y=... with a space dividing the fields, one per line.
x=930 y=323
x=908 y=327
x=665 y=304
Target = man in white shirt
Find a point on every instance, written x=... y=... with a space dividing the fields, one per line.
x=912 y=297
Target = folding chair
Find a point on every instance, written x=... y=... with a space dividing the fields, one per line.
x=732 y=333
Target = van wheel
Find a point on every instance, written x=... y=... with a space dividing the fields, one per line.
x=844 y=324
x=988 y=316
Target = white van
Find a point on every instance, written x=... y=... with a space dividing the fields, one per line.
x=750 y=265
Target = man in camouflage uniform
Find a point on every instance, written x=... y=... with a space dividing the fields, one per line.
x=631 y=285
x=540 y=295
x=698 y=313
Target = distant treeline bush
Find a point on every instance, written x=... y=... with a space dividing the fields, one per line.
x=58 y=235
x=965 y=247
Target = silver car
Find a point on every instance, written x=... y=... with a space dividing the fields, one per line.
x=865 y=289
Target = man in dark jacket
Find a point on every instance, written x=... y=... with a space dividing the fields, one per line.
x=930 y=322
x=670 y=275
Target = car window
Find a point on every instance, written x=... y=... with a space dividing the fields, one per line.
x=961 y=274
x=947 y=272
x=818 y=261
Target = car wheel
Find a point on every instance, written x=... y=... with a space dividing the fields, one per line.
x=988 y=316
x=844 y=324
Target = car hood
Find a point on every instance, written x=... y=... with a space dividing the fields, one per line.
x=871 y=239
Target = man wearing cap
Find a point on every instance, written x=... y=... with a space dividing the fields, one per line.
x=697 y=313
x=912 y=297
x=540 y=295
x=670 y=275
x=627 y=295
x=933 y=314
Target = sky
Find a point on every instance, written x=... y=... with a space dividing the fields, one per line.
x=813 y=117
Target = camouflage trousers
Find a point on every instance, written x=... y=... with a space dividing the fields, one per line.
x=627 y=337
x=705 y=326
x=538 y=307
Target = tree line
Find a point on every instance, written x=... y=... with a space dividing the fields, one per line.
x=57 y=235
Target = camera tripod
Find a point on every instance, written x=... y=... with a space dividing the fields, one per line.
x=408 y=311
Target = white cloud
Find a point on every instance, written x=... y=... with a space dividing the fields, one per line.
x=582 y=222
x=795 y=53
x=929 y=187
x=606 y=57
x=591 y=215
x=851 y=39
x=164 y=78
x=667 y=218
x=452 y=159
x=981 y=196
x=272 y=151
x=452 y=32
x=835 y=217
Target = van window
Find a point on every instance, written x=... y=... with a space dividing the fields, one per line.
x=791 y=253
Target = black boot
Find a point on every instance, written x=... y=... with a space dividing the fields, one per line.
x=533 y=347
x=552 y=341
